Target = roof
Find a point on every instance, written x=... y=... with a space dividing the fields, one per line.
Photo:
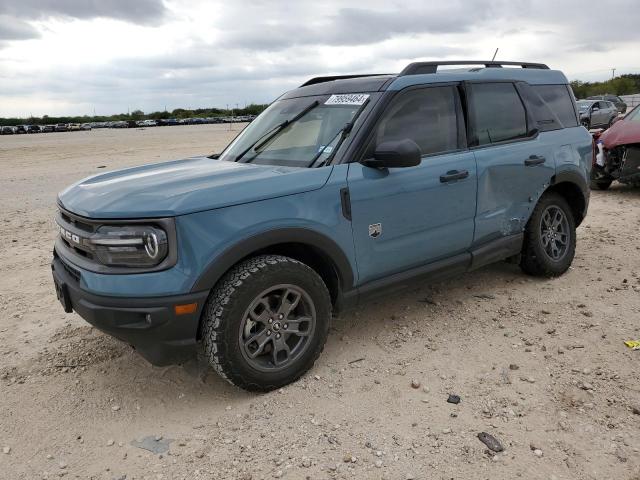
x=431 y=72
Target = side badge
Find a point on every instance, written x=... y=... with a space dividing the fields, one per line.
x=375 y=230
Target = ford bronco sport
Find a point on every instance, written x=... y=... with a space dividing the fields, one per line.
x=341 y=189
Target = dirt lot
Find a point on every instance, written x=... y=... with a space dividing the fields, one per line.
x=539 y=364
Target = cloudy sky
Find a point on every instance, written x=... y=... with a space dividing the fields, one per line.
x=107 y=56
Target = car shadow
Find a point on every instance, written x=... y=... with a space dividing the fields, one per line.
x=196 y=379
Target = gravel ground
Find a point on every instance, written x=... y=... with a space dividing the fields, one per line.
x=538 y=364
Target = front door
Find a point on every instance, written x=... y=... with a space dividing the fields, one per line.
x=408 y=217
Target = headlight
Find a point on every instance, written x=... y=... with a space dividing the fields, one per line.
x=133 y=246
x=129 y=246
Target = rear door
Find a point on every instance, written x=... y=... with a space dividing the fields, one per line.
x=408 y=217
x=515 y=161
x=602 y=113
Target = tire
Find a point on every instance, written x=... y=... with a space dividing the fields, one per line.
x=245 y=328
x=586 y=124
x=538 y=253
x=600 y=184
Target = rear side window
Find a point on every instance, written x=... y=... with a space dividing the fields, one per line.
x=428 y=116
x=497 y=113
x=558 y=99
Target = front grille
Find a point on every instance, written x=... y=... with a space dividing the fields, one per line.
x=79 y=223
x=75 y=274
x=79 y=226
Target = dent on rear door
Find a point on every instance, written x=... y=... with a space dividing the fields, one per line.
x=508 y=190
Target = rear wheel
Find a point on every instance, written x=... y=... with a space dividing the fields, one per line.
x=550 y=238
x=266 y=322
x=586 y=123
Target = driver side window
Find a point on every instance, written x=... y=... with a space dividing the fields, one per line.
x=428 y=116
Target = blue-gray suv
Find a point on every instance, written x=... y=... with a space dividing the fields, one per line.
x=342 y=189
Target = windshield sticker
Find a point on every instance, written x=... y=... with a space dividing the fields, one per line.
x=325 y=149
x=347 y=99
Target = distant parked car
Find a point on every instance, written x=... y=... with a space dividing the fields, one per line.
x=617 y=101
x=120 y=124
x=21 y=129
x=85 y=126
x=7 y=130
x=33 y=129
x=61 y=127
x=48 y=128
x=596 y=114
x=166 y=122
x=74 y=127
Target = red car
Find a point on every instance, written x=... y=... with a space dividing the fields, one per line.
x=618 y=155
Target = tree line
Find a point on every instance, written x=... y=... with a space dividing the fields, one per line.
x=623 y=85
x=252 y=109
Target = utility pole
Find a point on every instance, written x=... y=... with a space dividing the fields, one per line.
x=613 y=73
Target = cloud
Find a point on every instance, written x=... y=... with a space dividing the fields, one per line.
x=192 y=53
x=12 y=29
x=271 y=29
x=134 y=11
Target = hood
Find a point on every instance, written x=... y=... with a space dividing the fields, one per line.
x=621 y=133
x=185 y=186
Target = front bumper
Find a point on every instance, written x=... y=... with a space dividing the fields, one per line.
x=149 y=325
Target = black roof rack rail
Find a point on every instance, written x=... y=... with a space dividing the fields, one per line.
x=418 y=68
x=316 y=80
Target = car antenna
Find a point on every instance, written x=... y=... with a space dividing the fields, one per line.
x=494 y=54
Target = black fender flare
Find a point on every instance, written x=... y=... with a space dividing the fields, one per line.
x=576 y=179
x=244 y=248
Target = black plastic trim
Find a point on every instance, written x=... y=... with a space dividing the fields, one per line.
x=437 y=270
x=316 y=80
x=496 y=250
x=345 y=202
x=223 y=262
x=150 y=325
x=573 y=177
x=490 y=252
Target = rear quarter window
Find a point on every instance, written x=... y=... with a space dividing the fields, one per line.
x=559 y=100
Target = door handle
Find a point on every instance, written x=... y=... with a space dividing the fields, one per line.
x=453 y=175
x=534 y=160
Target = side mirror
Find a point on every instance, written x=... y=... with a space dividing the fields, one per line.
x=395 y=154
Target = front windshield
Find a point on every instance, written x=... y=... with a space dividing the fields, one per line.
x=315 y=134
x=634 y=115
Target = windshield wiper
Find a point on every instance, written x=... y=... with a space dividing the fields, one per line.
x=260 y=141
x=343 y=133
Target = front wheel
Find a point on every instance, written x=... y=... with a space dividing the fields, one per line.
x=266 y=322
x=549 y=238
